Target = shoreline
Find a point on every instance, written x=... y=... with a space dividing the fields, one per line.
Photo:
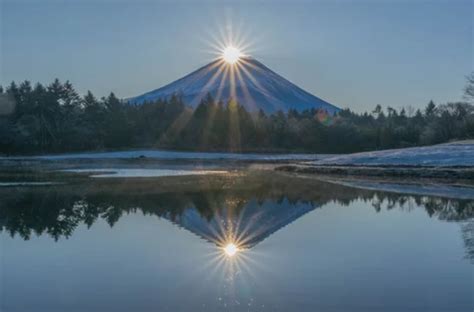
x=454 y=173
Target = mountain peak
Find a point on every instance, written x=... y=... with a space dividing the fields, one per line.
x=248 y=81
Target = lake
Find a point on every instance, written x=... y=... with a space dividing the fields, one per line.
x=235 y=241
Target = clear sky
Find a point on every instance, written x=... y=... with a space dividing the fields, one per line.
x=353 y=54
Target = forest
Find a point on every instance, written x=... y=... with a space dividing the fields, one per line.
x=54 y=118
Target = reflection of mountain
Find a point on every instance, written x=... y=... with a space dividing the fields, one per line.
x=247 y=208
x=247 y=226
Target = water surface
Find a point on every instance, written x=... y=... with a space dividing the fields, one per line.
x=140 y=173
x=172 y=155
x=303 y=245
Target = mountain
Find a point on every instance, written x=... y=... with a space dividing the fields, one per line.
x=248 y=81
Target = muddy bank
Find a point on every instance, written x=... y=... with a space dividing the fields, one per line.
x=444 y=173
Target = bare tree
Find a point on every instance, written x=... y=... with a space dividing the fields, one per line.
x=469 y=89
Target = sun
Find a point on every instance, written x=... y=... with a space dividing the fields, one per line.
x=230 y=249
x=231 y=54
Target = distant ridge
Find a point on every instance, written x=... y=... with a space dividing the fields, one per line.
x=249 y=82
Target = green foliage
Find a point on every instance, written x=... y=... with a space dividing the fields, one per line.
x=39 y=119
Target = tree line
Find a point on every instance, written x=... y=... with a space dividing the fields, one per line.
x=55 y=118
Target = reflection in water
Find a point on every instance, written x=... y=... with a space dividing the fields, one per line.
x=467 y=228
x=235 y=213
x=231 y=249
x=243 y=222
x=369 y=248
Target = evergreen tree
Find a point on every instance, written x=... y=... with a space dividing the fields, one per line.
x=55 y=119
x=430 y=109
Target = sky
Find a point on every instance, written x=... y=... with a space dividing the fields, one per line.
x=353 y=54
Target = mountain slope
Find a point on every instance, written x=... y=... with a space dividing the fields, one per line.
x=250 y=82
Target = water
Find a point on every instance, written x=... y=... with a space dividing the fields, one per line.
x=140 y=173
x=172 y=155
x=303 y=245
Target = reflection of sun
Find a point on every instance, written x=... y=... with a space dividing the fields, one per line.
x=230 y=249
x=231 y=54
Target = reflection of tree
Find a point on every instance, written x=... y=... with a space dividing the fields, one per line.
x=58 y=210
x=442 y=208
x=467 y=229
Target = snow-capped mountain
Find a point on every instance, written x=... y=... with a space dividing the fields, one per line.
x=249 y=82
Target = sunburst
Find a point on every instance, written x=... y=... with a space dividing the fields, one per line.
x=231 y=55
x=231 y=49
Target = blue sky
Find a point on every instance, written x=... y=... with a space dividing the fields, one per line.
x=354 y=54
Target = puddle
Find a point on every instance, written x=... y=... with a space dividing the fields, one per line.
x=141 y=173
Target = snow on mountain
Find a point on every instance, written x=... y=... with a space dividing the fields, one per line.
x=250 y=82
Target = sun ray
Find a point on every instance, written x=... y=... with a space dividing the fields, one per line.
x=233 y=92
x=216 y=75
x=210 y=120
x=248 y=97
x=206 y=71
x=244 y=236
x=234 y=128
x=177 y=126
x=222 y=83
x=260 y=88
x=253 y=80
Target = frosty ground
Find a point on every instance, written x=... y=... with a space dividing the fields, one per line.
x=453 y=161
x=445 y=169
x=455 y=154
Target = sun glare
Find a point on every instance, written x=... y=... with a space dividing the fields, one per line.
x=231 y=54
x=230 y=249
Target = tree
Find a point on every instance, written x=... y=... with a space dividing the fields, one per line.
x=469 y=88
x=56 y=119
x=430 y=109
x=93 y=120
x=117 y=127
